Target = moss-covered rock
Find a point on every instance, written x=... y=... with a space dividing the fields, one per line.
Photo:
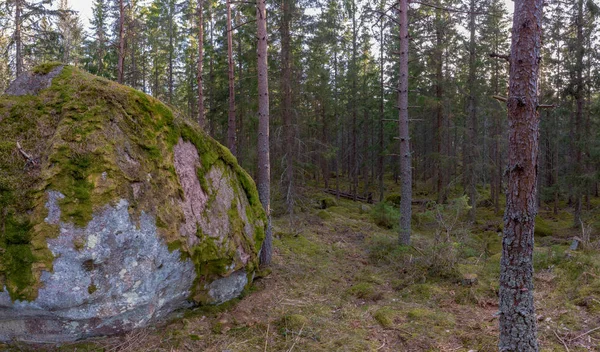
x=110 y=196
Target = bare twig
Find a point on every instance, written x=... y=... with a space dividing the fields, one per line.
x=561 y=341
x=500 y=98
x=267 y=336
x=297 y=338
x=242 y=24
x=500 y=56
x=449 y=9
x=546 y=106
x=585 y=333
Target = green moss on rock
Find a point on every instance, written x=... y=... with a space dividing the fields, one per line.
x=92 y=139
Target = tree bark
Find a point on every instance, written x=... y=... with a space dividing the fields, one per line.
x=18 y=38
x=471 y=150
x=517 y=312
x=439 y=113
x=286 y=99
x=380 y=169
x=231 y=123
x=121 y=59
x=354 y=156
x=405 y=156
x=264 y=164
x=579 y=102
x=200 y=62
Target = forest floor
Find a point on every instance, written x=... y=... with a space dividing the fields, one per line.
x=340 y=282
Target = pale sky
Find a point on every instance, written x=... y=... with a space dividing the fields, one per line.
x=84 y=7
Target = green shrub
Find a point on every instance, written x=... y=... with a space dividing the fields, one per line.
x=327 y=202
x=385 y=215
x=393 y=198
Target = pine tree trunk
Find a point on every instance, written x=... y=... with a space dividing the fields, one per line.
x=231 y=123
x=405 y=156
x=286 y=99
x=579 y=103
x=18 y=38
x=380 y=169
x=471 y=150
x=354 y=155
x=200 y=62
x=517 y=313
x=121 y=59
x=171 y=56
x=440 y=173
x=264 y=164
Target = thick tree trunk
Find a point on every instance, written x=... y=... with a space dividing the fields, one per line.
x=517 y=313
x=264 y=164
x=286 y=99
x=231 y=123
x=121 y=54
x=200 y=62
x=405 y=156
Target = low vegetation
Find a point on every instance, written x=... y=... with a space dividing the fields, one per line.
x=341 y=283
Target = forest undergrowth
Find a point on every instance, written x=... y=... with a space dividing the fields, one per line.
x=340 y=282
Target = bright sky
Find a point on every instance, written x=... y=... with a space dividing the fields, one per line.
x=84 y=7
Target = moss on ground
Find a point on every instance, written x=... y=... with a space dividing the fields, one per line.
x=90 y=139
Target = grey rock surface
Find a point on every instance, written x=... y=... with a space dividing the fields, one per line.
x=30 y=83
x=111 y=276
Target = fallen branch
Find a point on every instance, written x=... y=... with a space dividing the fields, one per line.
x=562 y=341
x=27 y=157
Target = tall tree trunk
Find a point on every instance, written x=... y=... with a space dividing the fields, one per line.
x=405 y=156
x=471 y=181
x=171 y=53
x=517 y=313
x=354 y=156
x=380 y=169
x=211 y=73
x=121 y=59
x=241 y=145
x=264 y=164
x=579 y=102
x=439 y=113
x=18 y=38
x=200 y=62
x=231 y=126
x=286 y=99
x=338 y=154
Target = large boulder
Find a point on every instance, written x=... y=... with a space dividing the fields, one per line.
x=114 y=211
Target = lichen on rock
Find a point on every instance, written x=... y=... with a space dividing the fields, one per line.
x=114 y=210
